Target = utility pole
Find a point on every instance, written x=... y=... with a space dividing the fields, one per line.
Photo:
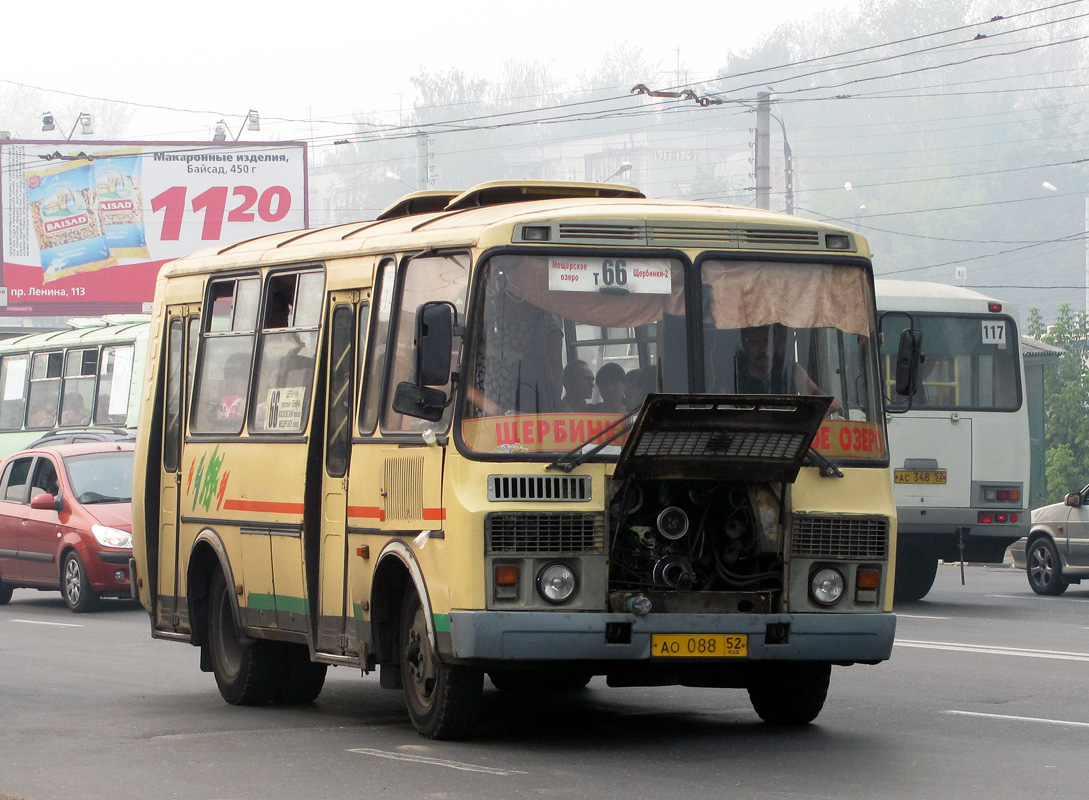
x=763 y=150
x=421 y=160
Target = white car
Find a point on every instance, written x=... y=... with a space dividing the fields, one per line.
x=1057 y=547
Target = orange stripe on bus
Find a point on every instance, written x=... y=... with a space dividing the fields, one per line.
x=266 y=506
x=434 y=513
x=367 y=512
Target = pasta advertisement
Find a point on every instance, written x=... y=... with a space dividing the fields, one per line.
x=86 y=226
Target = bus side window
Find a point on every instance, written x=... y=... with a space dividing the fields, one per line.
x=338 y=435
x=80 y=368
x=426 y=278
x=13 y=373
x=373 y=372
x=114 y=379
x=219 y=401
x=286 y=351
x=44 y=392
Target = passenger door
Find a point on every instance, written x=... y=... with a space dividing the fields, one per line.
x=13 y=515
x=335 y=608
x=170 y=609
x=40 y=532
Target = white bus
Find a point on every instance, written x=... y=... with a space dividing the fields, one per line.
x=84 y=376
x=960 y=452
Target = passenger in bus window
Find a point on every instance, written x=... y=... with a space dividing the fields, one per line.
x=610 y=385
x=578 y=386
x=235 y=378
x=638 y=383
x=762 y=368
x=76 y=410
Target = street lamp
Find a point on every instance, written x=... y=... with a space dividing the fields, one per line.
x=1085 y=233
x=393 y=176
x=624 y=167
x=252 y=122
x=84 y=121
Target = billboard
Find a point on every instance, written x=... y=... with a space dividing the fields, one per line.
x=87 y=225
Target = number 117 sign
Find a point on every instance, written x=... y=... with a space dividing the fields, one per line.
x=87 y=225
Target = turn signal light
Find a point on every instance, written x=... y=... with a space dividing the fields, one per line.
x=868 y=578
x=506 y=575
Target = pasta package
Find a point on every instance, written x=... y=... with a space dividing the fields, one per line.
x=119 y=202
x=66 y=222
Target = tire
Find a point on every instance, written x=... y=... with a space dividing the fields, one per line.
x=915 y=572
x=248 y=672
x=301 y=680
x=443 y=700
x=5 y=592
x=789 y=693
x=544 y=679
x=76 y=588
x=1044 y=568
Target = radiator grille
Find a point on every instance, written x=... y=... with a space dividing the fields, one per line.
x=517 y=532
x=777 y=238
x=544 y=488
x=691 y=235
x=840 y=537
x=602 y=232
x=404 y=487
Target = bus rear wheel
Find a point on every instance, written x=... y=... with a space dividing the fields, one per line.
x=916 y=569
x=789 y=693
x=247 y=671
x=443 y=700
x=302 y=679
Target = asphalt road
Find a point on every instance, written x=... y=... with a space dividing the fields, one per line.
x=985 y=697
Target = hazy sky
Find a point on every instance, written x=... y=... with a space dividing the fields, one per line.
x=326 y=60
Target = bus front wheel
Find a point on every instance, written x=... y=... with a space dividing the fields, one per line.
x=789 y=693
x=246 y=670
x=443 y=700
x=916 y=568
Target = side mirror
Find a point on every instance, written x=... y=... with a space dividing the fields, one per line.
x=44 y=502
x=1073 y=500
x=434 y=342
x=908 y=357
x=419 y=401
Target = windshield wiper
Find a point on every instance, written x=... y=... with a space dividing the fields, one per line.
x=827 y=468
x=561 y=462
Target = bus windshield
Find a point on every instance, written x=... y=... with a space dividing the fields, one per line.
x=969 y=361
x=562 y=346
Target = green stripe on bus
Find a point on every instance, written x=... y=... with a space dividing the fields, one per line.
x=273 y=602
x=442 y=622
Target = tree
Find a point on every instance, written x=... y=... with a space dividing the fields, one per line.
x=1066 y=411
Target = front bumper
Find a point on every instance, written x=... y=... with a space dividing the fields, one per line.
x=552 y=636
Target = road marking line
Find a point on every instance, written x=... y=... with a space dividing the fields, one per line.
x=55 y=624
x=919 y=616
x=437 y=762
x=1036 y=597
x=994 y=650
x=1019 y=719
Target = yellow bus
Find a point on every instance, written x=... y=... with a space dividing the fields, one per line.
x=535 y=431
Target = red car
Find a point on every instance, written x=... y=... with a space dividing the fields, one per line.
x=66 y=521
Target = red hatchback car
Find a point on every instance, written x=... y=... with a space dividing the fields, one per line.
x=66 y=521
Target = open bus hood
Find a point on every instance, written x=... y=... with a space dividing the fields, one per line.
x=721 y=437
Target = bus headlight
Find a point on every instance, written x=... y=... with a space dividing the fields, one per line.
x=556 y=582
x=826 y=586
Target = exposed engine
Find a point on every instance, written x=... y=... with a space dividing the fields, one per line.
x=694 y=536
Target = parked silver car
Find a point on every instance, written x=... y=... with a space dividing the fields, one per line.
x=1056 y=551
